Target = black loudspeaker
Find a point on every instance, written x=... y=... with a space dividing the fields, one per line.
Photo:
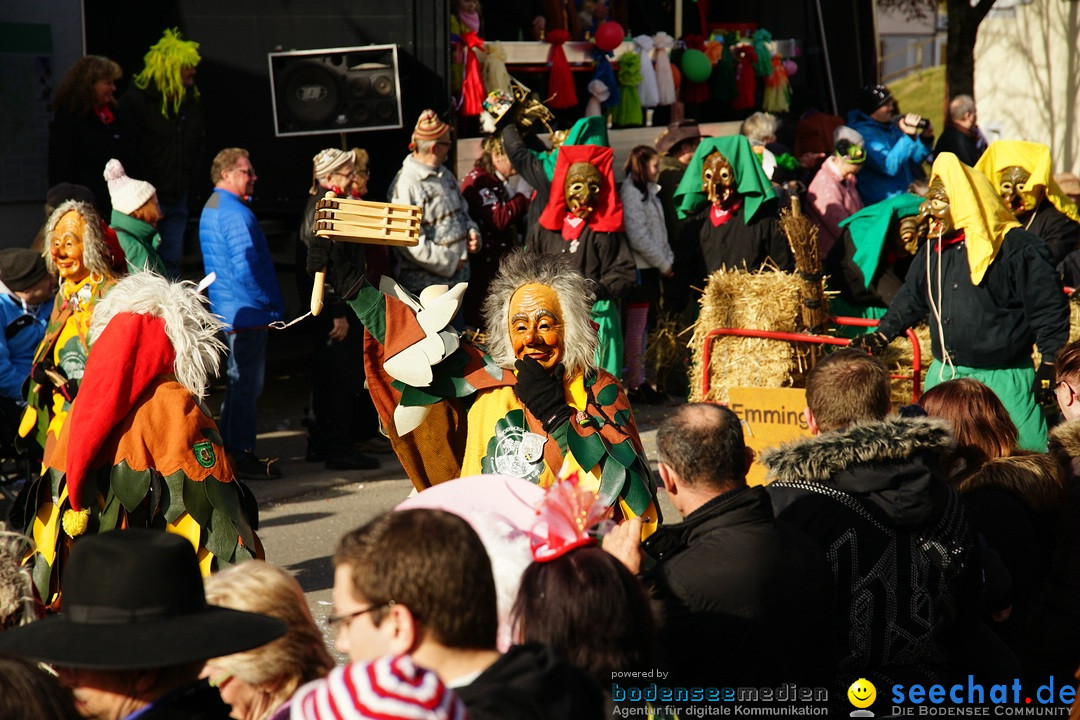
x=335 y=90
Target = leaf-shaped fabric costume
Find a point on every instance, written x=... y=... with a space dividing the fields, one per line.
x=473 y=421
x=137 y=450
x=64 y=348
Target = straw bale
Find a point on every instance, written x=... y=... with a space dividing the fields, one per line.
x=757 y=301
x=898 y=358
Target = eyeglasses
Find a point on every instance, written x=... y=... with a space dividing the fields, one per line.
x=246 y=171
x=336 y=621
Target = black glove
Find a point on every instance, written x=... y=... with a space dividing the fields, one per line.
x=69 y=390
x=38 y=375
x=344 y=263
x=1044 y=387
x=873 y=343
x=542 y=392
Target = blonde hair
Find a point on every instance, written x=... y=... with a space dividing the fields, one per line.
x=360 y=158
x=96 y=256
x=297 y=657
x=226 y=160
x=149 y=212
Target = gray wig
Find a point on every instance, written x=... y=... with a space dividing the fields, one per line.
x=575 y=295
x=96 y=255
x=190 y=327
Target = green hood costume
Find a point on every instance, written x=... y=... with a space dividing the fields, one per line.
x=590 y=130
x=870 y=225
x=750 y=180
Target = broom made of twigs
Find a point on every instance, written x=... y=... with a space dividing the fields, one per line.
x=802 y=236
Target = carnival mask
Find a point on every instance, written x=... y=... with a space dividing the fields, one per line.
x=536 y=327
x=583 y=183
x=935 y=212
x=912 y=233
x=717 y=178
x=66 y=247
x=1014 y=191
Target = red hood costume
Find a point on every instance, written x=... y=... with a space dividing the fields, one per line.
x=608 y=215
x=137 y=449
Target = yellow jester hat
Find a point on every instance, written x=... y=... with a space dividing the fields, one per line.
x=1033 y=157
x=976 y=209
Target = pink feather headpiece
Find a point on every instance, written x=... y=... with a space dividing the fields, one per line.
x=565 y=516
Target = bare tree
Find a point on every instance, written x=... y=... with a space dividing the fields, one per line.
x=964 y=18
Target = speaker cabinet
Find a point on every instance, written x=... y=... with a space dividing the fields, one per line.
x=334 y=90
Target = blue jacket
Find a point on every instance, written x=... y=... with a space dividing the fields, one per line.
x=892 y=158
x=246 y=291
x=24 y=326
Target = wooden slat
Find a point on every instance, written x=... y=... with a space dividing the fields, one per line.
x=368 y=222
x=364 y=214
x=375 y=234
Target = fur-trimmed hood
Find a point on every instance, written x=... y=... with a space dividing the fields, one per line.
x=821 y=457
x=893 y=464
x=1065 y=441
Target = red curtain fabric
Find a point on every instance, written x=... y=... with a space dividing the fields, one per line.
x=561 y=82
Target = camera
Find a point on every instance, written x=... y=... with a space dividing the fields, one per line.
x=922 y=124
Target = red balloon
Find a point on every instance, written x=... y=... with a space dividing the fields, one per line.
x=609 y=36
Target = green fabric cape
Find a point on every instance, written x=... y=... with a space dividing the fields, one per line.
x=590 y=130
x=870 y=225
x=750 y=180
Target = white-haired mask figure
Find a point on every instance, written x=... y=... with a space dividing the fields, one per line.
x=540 y=407
x=140 y=449
x=76 y=252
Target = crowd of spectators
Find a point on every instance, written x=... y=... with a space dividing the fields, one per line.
x=912 y=548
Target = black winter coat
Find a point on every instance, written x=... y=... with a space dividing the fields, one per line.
x=903 y=558
x=530 y=168
x=167 y=151
x=746 y=598
x=532 y=682
x=965 y=147
x=1060 y=232
x=994 y=324
x=80 y=147
x=847 y=277
x=602 y=257
x=198 y=701
x=1054 y=635
x=701 y=249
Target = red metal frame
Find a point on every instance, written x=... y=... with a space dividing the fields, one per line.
x=916 y=350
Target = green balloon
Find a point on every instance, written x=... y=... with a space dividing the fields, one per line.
x=696 y=66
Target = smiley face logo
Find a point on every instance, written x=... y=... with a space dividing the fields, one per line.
x=862 y=693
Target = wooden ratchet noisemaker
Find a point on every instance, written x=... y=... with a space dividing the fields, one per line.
x=359 y=221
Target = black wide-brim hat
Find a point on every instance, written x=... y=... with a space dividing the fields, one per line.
x=134 y=599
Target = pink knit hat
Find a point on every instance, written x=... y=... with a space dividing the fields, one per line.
x=389 y=688
x=429 y=127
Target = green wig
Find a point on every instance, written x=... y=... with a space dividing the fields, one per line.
x=164 y=62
